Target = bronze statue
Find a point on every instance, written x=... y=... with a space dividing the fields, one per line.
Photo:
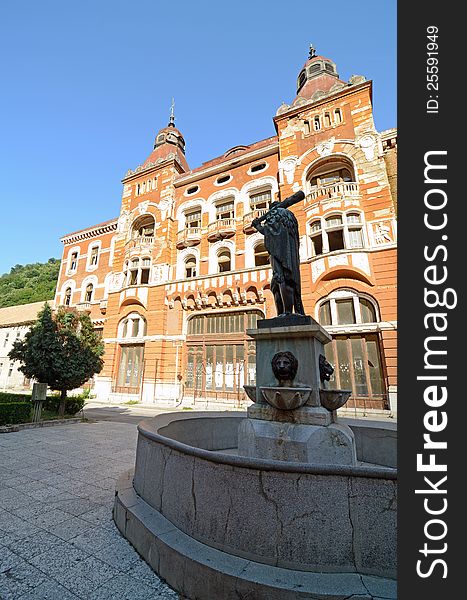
x=280 y=229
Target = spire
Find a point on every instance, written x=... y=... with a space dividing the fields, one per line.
x=172 y=116
x=311 y=52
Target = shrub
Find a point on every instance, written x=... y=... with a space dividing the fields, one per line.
x=73 y=404
x=7 y=397
x=14 y=412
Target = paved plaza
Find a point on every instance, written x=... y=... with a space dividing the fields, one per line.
x=57 y=537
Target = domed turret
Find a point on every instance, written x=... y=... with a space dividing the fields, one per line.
x=317 y=74
x=169 y=143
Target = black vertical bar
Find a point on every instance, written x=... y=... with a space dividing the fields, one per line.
x=431 y=115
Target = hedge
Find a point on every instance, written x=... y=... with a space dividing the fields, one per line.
x=73 y=404
x=7 y=397
x=14 y=412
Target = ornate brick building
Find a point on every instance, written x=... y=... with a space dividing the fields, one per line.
x=178 y=277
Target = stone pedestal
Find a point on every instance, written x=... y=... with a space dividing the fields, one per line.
x=307 y=433
x=333 y=444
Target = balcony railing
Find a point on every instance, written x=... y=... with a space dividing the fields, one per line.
x=334 y=191
x=190 y=236
x=141 y=240
x=83 y=306
x=221 y=228
x=249 y=217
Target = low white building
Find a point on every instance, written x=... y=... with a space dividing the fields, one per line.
x=15 y=321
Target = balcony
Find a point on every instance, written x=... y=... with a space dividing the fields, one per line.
x=339 y=191
x=83 y=307
x=249 y=217
x=190 y=236
x=140 y=241
x=220 y=229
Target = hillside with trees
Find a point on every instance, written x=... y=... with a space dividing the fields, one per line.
x=29 y=283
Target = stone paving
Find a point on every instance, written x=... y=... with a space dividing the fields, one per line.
x=57 y=537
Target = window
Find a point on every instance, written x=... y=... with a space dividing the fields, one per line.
x=355 y=231
x=190 y=267
x=74 y=261
x=316 y=238
x=355 y=353
x=346 y=307
x=133 y=326
x=226 y=210
x=331 y=177
x=224 y=261
x=341 y=231
x=216 y=365
x=145 y=269
x=143 y=227
x=7 y=335
x=307 y=127
x=301 y=79
x=88 y=293
x=193 y=219
x=192 y=190
x=317 y=123
x=134 y=268
x=94 y=256
x=337 y=115
x=335 y=233
x=130 y=369
x=327 y=120
x=261 y=255
x=260 y=200
x=257 y=168
x=67 y=297
x=223 y=179
x=137 y=271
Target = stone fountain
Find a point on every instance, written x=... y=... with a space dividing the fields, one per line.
x=284 y=502
x=294 y=418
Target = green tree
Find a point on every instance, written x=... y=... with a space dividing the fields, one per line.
x=29 y=283
x=63 y=351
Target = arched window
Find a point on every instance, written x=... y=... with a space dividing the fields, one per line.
x=317 y=123
x=336 y=232
x=354 y=350
x=89 y=291
x=133 y=326
x=337 y=115
x=261 y=255
x=327 y=120
x=316 y=237
x=143 y=227
x=224 y=260
x=67 y=297
x=190 y=267
x=137 y=271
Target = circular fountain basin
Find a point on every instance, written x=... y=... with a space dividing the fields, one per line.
x=217 y=525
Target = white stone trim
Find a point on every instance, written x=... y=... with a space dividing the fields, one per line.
x=182 y=255
x=214 y=250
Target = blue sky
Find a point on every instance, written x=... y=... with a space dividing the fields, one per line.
x=87 y=84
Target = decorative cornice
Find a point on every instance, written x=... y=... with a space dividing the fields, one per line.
x=89 y=233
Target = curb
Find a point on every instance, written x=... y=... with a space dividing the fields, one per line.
x=21 y=426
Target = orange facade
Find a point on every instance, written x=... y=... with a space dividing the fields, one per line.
x=178 y=277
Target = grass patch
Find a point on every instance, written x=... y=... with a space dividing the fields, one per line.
x=131 y=402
